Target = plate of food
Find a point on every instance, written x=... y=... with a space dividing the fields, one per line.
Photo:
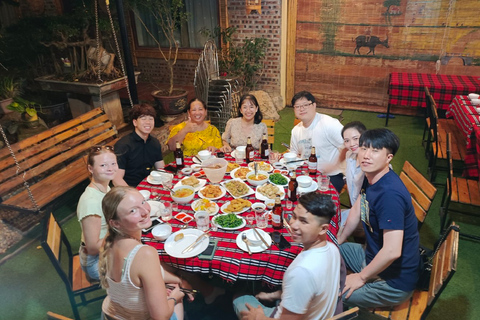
x=229 y=221
x=262 y=166
x=269 y=191
x=236 y=206
x=180 y=240
x=240 y=173
x=193 y=182
x=205 y=205
x=212 y=192
x=278 y=179
x=232 y=166
x=237 y=188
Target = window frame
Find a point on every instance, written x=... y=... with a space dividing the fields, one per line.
x=183 y=53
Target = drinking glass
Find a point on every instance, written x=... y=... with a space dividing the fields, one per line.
x=249 y=219
x=166 y=214
x=174 y=207
x=202 y=219
x=262 y=221
x=168 y=182
x=323 y=182
x=274 y=156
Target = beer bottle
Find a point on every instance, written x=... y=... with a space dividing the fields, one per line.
x=249 y=151
x=292 y=187
x=264 y=151
x=179 y=160
x=277 y=214
x=312 y=163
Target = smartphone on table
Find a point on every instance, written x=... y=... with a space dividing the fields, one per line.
x=280 y=240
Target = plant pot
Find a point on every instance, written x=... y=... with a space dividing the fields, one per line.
x=4 y=104
x=170 y=105
x=54 y=114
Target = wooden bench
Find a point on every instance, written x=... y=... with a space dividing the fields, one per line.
x=421 y=302
x=51 y=162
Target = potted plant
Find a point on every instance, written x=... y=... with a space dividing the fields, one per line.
x=9 y=88
x=168 y=15
x=26 y=109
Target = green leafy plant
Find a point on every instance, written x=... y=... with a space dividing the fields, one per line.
x=168 y=15
x=22 y=106
x=9 y=88
x=244 y=59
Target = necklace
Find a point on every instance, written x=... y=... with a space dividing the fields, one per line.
x=127 y=236
x=96 y=186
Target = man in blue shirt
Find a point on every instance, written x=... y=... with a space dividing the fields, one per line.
x=386 y=272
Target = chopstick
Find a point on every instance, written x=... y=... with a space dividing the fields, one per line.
x=184 y=290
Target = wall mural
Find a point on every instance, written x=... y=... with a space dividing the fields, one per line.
x=370 y=42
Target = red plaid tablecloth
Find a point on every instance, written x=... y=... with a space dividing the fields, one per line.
x=407 y=89
x=467 y=119
x=230 y=262
x=464 y=113
x=472 y=159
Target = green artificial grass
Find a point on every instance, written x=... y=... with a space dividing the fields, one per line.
x=30 y=286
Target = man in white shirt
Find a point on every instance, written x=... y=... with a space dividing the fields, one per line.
x=311 y=284
x=322 y=132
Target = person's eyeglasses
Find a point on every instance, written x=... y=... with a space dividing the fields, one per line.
x=303 y=106
x=98 y=148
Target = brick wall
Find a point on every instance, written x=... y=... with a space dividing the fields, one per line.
x=268 y=25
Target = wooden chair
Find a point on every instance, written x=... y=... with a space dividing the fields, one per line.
x=346 y=315
x=460 y=192
x=437 y=141
x=270 y=131
x=421 y=302
x=55 y=316
x=56 y=244
x=296 y=121
x=421 y=190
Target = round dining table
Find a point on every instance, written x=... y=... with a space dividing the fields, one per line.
x=230 y=262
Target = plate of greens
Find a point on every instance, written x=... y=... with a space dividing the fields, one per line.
x=278 y=179
x=229 y=221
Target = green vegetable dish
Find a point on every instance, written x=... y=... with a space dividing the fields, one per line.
x=228 y=220
x=277 y=178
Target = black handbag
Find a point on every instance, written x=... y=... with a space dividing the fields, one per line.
x=426 y=261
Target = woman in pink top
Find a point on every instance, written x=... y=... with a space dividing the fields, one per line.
x=130 y=271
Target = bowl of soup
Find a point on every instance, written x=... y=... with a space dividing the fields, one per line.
x=259 y=179
x=182 y=194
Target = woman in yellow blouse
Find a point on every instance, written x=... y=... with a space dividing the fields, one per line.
x=195 y=134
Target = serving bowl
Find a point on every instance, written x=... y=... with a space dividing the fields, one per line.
x=162 y=231
x=215 y=169
x=178 y=197
x=204 y=154
x=262 y=177
x=304 y=181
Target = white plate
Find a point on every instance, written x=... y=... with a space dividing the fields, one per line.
x=298 y=164
x=225 y=205
x=266 y=164
x=224 y=192
x=202 y=183
x=255 y=249
x=175 y=249
x=232 y=174
x=195 y=160
x=249 y=190
x=224 y=228
x=194 y=204
x=149 y=180
x=282 y=185
x=155 y=207
x=261 y=197
x=313 y=187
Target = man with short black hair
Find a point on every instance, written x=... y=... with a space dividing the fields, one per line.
x=322 y=132
x=138 y=152
x=311 y=283
x=386 y=272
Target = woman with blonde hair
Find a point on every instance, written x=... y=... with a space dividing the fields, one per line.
x=102 y=165
x=131 y=271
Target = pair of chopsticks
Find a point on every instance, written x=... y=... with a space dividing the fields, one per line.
x=184 y=290
x=260 y=236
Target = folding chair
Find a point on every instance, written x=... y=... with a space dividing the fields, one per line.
x=270 y=131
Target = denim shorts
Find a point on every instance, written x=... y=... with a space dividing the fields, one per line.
x=239 y=305
x=89 y=264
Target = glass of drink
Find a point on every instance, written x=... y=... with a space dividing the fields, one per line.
x=166 y=214
x=174 y=207
x=168 y=182
x=274 y=156
x=262 y=221
x=323 y=182
x=202 y=218
x=250 y=217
